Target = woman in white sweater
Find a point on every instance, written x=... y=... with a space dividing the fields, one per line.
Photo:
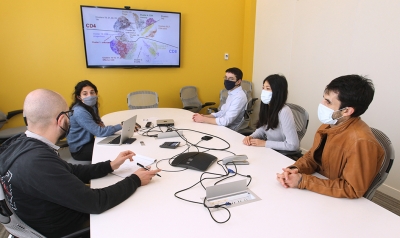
x=276 y=128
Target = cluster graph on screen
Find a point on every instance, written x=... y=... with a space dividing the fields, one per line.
x=130 y=38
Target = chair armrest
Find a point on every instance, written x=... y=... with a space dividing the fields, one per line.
x=212 y=109
x=13 y=113
x=189 y=107
x=208 y=104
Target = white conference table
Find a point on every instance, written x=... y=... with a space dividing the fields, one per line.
x=154 y=211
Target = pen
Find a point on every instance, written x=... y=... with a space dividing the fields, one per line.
x=146 y=168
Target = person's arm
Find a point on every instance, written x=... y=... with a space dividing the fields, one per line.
x=55 y=183
x=232 y=112
x=87 y=172
x=291 y=142
x=362 y=164
x=210 y=119
x=85 y=120
x=257 y=138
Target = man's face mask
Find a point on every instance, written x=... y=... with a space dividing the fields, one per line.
x=229 y=84
x=65 y=128
x=325 y=114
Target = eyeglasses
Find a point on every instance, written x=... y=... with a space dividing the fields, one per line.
x=67 y=113
x=230 y=79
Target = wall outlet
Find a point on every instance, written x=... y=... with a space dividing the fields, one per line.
x=226 y=56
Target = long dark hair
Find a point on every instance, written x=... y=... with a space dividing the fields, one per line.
x=75 y=99
x=269 y=112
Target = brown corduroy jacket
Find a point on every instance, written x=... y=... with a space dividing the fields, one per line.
x=350 y=160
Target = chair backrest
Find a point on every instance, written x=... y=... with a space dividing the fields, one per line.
x=3 y=118
x=189 y=98
x=142 y=99
x=300 y=118
x=247 y=87
x=223 y=95
x=11 y=221
x=386 y=164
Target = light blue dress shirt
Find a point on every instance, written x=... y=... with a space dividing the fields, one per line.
x=232 y=112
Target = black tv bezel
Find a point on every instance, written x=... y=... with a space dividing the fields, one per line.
x=129 y=66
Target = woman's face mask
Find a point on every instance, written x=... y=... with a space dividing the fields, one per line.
x=90 y=101
x=266 y=96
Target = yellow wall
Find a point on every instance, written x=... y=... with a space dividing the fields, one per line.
x=42 y=47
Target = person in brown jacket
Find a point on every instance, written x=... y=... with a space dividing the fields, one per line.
x=345 y=150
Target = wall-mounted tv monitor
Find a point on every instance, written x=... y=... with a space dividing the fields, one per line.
x=130 y=38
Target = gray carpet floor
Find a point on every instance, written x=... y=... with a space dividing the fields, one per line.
x=381 y=199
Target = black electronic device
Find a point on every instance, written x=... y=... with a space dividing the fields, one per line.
x=130 y=38
x=129 y=140
x=148 y=124
x=170 y=145
x=194 y=160
x=206 y=137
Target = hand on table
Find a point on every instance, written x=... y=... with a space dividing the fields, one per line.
x=124 y=155
x=250 y=141
x=290 y=178
x=246 y=140
x=198 y=118
x=146 y=175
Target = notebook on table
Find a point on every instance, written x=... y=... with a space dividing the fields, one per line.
x=128 y=127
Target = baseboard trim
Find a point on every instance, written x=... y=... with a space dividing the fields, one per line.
x=390 y=191
x=386 y=189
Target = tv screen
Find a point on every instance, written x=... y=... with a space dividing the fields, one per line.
x=130 y=38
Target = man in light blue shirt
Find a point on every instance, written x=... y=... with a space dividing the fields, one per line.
x=232 y=112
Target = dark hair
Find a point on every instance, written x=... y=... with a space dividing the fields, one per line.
x=76 y=100
x=236 y=71
x=269 y=112
x=353 y=91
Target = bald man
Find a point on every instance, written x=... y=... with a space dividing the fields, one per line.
x=47 y=193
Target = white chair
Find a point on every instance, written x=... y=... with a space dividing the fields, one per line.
x=11 y=221
x=247 y=87
x=142 y=99
x=246 y=128
x=223 y=95
x=386 y=164
x=190 y=99
x=301 y=119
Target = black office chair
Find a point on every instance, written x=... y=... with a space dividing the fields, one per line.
x=386 y=164
x=17 y=228
x=8 y=133
x=190 y=99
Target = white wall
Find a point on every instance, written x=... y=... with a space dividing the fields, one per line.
x=312 y=42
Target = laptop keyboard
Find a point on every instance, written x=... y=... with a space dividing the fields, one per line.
x=115 y=140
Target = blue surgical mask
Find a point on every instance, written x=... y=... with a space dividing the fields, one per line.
x=229 y=84
x=325 y=114
x=90 y=101
x=266 y=96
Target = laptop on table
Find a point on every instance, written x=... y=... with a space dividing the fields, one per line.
x=128 y=127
